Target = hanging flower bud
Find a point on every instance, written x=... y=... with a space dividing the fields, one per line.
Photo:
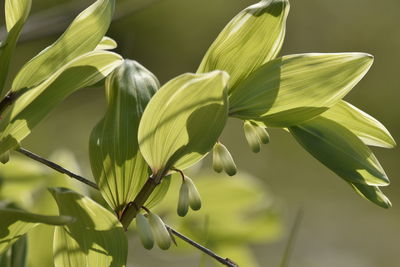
x=5 y=157
x=183 y=202
x=161 y=234
x=251 y=134
x=262 y=133
x=223 y=157
x=144 y=230
x=194 y=196
x=217 y=161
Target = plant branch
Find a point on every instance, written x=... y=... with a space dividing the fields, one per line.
x=224 y=261
x=56 y=167
x=133 y=207
x=147 y=189
x=292 y=238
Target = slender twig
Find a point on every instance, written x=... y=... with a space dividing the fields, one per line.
x=224 y=261
x=292 y=239
x=56 y=167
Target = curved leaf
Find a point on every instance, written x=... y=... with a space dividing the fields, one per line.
x=183 y=120
x=367 y=128
x=340 y=150
x=95 y=239
x=117 y=165
x=16 y=13
x=31 y=107
x=82 y=36
x=373 y=194
x=15 y=223
x=293 y=89
x=250 y=39
x=106 y=44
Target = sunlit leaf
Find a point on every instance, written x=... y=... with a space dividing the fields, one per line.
x=82 y=36
x=183 y=120
x=15 y=223
x=159 y=192
x=253 y=37
x=35 y=104
x=373 y=194
x=367 y=128
x=106 y=44
x=16 y=13
x=117 y=164
x=95 y=239
x=340 y=150
x=292 y=89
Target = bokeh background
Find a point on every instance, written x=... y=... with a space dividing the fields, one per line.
x=170 y=37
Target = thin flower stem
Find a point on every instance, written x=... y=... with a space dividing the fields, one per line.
x=56 y=167
x=224 y=261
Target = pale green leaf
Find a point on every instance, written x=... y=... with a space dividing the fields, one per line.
x=16 y=255
x=32 y=106
x=95 y=239
x=367 y=128
x=82 y=36
x=117 y=164
x=183 y=121
x=292 y=89
x=16 y=13
x=252 y=38
x=159 y=192
x=15 y=223
x=106 y=44
x=373 y=194
x=340 y=150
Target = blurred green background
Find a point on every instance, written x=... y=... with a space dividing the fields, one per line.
x=170 y=37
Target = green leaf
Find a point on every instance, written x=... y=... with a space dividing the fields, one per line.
x=183 y=121
x=159 y=192
x=31 y=107
x=15 y=256
x=367 y=128
x=340 y=150
x=373 y=194
x=95 y=239
x=252 y=38
x=82 y=36
x=292 y=89
x=15 y=223
x=106 y=44
x=16 y=13
x=117 y=164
